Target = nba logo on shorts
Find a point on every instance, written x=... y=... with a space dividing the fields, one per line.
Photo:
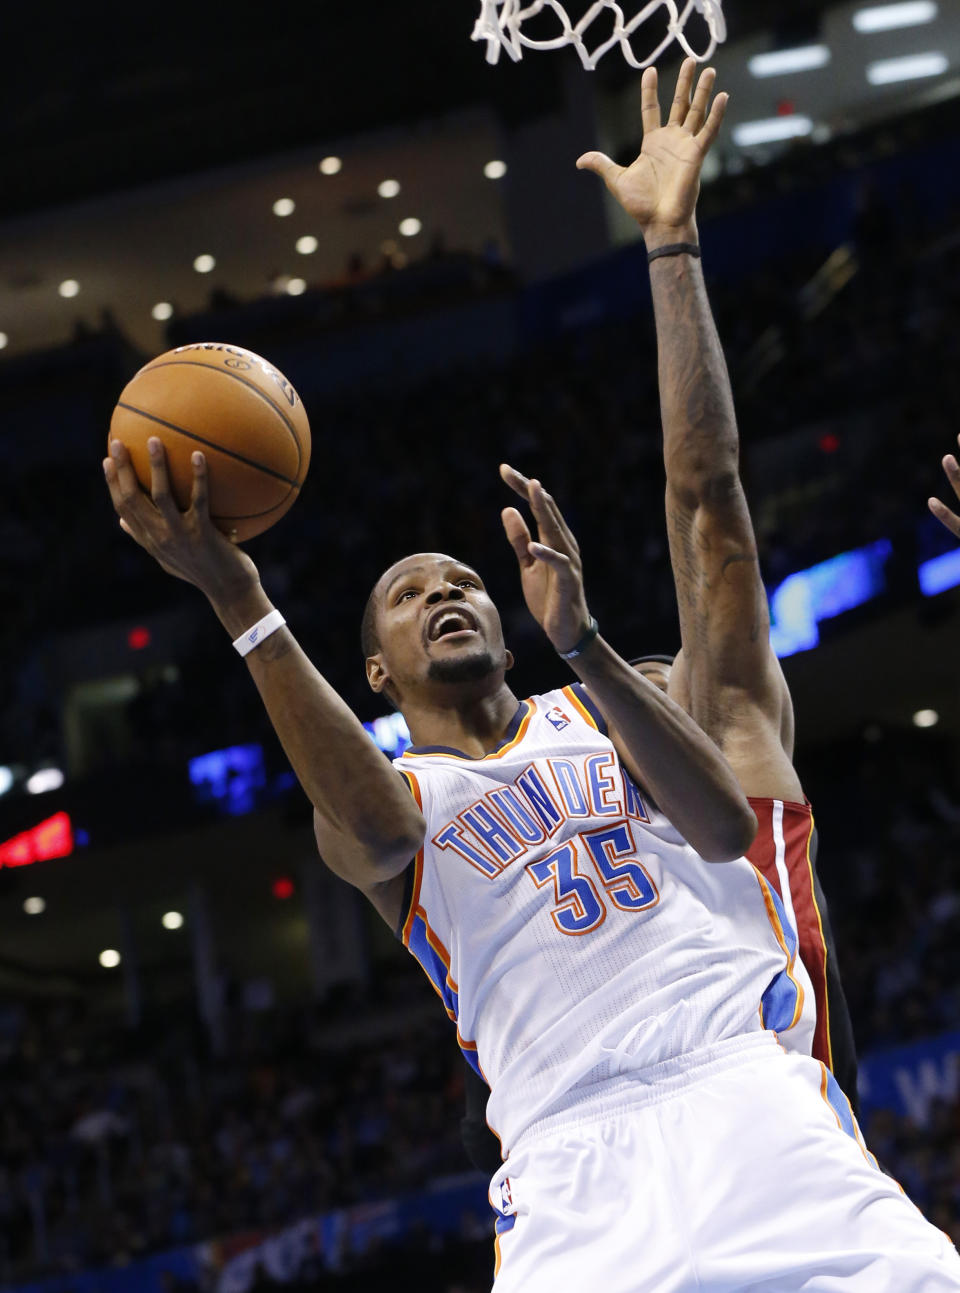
x=558 y=718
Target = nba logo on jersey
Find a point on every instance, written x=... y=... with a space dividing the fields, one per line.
x=558 y=718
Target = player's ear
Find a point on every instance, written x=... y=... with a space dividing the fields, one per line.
x=377 y=675
x=509 y=661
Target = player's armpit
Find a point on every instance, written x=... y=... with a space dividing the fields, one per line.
x=752 y=743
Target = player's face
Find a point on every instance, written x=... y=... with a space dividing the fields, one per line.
x=655 y=671
x=437 y=624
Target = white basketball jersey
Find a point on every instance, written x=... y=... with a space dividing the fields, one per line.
x=573 y=935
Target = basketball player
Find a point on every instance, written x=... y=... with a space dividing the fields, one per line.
x=726 y=675
x=613 y=986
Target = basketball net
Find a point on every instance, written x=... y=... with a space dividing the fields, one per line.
x=501 y=21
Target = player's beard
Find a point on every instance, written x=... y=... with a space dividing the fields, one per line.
x=468 y=668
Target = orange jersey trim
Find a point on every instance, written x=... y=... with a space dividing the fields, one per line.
x=579 y=706
x=414 y=788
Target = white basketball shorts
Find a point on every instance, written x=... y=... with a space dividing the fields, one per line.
x=736 y=1170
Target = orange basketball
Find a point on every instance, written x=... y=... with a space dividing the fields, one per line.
x=243 y=414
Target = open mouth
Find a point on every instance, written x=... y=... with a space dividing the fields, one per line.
x=451 y=622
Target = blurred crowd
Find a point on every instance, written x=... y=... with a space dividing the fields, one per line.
x=113 y=1146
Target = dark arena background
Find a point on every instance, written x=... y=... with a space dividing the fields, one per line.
x=218 y=1071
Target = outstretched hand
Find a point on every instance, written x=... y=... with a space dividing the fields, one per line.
x=940 y=510
x=550 y=570
x=186 y=544
x=660 y=188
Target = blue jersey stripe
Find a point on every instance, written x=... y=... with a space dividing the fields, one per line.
x=433 y=965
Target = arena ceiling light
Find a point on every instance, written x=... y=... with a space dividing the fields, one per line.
x=284 y=207
x=109 y=958
x=296 y=286
x=926 y=718
x=307 y=244
x=162 y=311
x=43 y=780
x=6 y=779
x=172 y=920
x=34 y=906
x=4 y=339
x=495 y=169
x=204 y=263
x=909 y=67
x=69 y=287
x=330 y=166
x=410 y=227
x=888 y=17
x=388 y=188
x=779 y=62
x=771 y=130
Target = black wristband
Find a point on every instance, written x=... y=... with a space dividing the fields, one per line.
x=584 y=642
x=674 y=249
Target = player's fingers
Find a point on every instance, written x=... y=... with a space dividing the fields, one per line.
x=129 y=499
x=558 y=561
x=944 y=516
x=515 y=528
x=601 y=165
x=515 y=479
x=544 y=515
x=681 y=98
x=160 y=479
x=701 y=97
x=570 y=544
x=113 y=485
x=711 y=127
x=550 y=521
x=649 y=101
x=199 y=493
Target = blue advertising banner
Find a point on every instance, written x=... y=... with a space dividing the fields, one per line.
x=158 y=1274
x=911 y=1079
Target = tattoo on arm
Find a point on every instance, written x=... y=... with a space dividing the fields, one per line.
x=701 y=448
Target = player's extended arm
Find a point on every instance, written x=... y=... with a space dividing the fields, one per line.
x=727 y=674
x=368 y=826
x=658 y=741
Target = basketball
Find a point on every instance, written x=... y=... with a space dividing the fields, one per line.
x=240 y=411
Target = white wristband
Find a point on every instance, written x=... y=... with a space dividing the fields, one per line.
x=262 y=629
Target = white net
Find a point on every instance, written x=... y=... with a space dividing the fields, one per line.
x=501 y=25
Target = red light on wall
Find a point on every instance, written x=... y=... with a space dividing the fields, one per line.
x=138 y=638
x=282 y=887
x=52 y=838
x=828 y=442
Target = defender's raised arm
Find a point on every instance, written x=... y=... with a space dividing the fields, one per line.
x=367 y=825
x=726 y=670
